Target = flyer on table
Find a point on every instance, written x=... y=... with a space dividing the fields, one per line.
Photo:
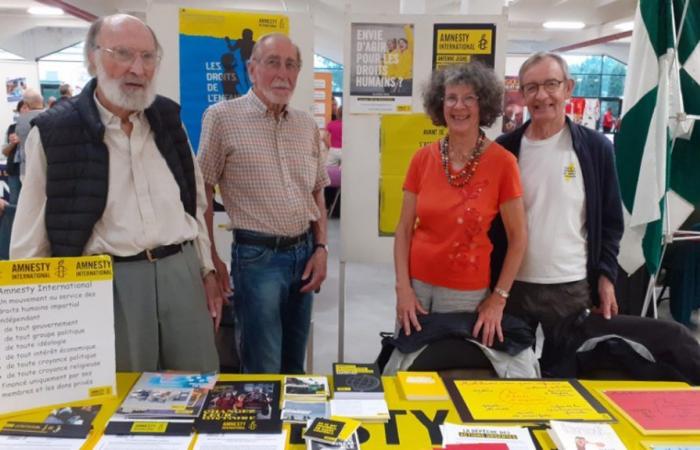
x=56 y=332
x=381 y=69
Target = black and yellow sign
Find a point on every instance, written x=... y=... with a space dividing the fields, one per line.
x=462 y=43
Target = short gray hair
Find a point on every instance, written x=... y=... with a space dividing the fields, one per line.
x=257 y=48
x=476 y=74
x=94 y=32
x=540 y=56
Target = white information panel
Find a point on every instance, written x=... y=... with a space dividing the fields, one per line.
x=56 y=332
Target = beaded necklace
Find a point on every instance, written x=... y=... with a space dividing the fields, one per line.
x=462 y=177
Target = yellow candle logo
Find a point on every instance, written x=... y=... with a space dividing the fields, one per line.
x=570 y=172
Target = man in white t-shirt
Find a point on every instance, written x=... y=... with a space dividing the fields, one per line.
x=572 y=200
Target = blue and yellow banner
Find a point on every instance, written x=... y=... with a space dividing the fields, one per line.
x=215 y=47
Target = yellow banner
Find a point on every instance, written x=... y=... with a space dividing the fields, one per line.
x=457 y=43
x=465 y=42
x=55 y=270
x=219 y=24
x=401 y=136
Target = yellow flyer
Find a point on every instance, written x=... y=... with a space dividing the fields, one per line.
x=455 y=43
x=56 y=332
x=525 y=401
x=401 y=136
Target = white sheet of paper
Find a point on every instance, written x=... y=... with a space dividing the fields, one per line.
x=111 y=442
x=254 y=441
x=359 y=408
x=39 y=443
x=517 y=438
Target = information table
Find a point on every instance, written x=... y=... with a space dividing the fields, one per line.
x=413 y=425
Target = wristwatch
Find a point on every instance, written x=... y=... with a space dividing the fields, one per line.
x=323 y=246
x=502 y=292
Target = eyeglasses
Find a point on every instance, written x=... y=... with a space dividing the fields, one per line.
x=550 y=86
x=452 y=100
x=127 y=55
x=274 y=63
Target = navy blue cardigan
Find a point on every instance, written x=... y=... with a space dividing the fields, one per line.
x=604 y=222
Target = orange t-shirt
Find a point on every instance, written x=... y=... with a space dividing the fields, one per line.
x=450 y=245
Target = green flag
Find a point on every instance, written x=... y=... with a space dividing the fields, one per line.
x=657 y=80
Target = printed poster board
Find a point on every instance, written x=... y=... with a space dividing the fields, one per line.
x=56 y=332
x=401 y=136
x=525 y=401
x=381 y=70
x=659 y=411
x=455 y=43
x=323 y=98
x=215 y=47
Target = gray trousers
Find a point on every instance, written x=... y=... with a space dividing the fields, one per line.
x=437 y=299
x=161 y=319
x=548 y=303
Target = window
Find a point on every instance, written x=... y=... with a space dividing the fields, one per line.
x=324 y=64
x=597 y=76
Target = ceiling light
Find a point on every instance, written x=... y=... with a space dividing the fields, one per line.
x=564 y=25
x=45 y=11
x=625 y=26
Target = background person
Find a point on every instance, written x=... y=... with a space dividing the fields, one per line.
x=334 y=139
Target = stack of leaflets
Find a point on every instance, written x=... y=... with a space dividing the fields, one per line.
x=358 y=392
x=357 y=381
x=334 y=433
x=306 y=389
x=242 y=407
x=173 y=399
x=578 y=435
x=305 y=398
x=455 y=437
x=421 y=386
x=71 y=424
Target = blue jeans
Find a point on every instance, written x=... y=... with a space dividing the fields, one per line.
x=272 y=314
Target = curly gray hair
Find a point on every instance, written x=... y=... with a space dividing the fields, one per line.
x=481 y=78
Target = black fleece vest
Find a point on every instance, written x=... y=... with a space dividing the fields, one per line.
x=77 y=172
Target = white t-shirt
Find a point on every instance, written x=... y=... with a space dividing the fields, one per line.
x=554 y=199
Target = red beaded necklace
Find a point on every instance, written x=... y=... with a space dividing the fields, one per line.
x=462 y=177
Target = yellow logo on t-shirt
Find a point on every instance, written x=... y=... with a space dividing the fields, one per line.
x=570 y=172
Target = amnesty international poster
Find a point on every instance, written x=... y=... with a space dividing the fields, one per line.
x=455 y=43
x=57 y=332
x=215 y=47
x=401 y=136
x=381 y=70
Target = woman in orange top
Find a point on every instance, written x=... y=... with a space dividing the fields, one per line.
x=453 y=190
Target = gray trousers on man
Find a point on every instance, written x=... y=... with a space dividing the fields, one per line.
x=161 y=319
x=548 y=303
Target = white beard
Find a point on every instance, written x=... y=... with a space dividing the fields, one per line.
x=113 y=91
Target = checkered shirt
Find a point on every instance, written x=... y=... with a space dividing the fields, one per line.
x=266 y=169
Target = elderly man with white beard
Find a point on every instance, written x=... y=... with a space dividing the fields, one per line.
x=110 y=171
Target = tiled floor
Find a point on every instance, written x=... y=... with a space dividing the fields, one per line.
x=369 y=306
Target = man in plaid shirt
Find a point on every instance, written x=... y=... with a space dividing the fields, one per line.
x=265 y=157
